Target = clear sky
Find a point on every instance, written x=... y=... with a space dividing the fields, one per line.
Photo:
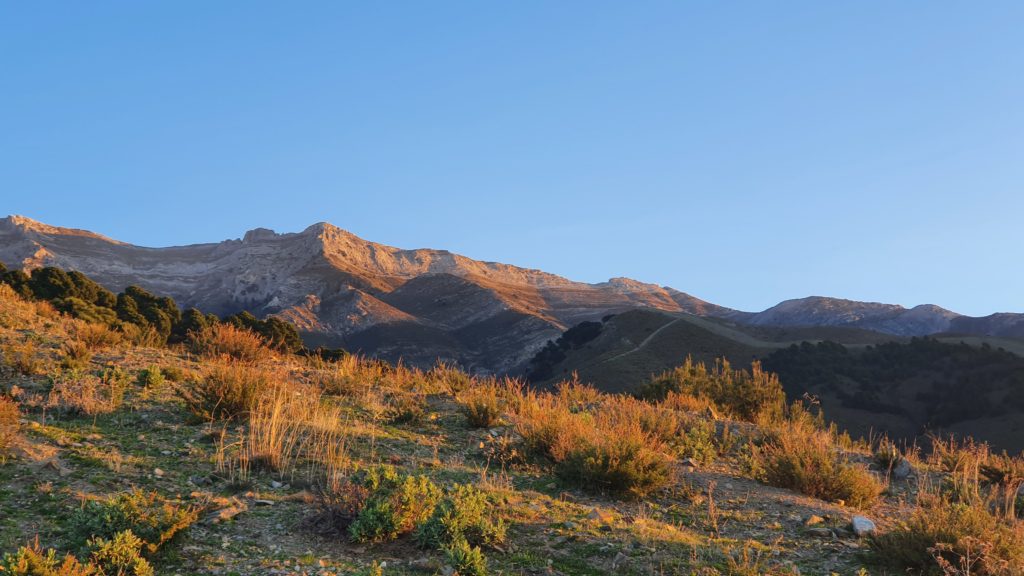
x=744 y=152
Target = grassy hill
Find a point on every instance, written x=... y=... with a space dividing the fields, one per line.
x=933 y=393
x=634 y=345
x=219 y=455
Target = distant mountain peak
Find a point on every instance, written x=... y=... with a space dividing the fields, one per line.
x=25 y=224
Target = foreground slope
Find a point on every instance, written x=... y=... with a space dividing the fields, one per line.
x=279 y=488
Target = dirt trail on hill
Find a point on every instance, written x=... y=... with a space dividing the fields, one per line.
x=645 y=342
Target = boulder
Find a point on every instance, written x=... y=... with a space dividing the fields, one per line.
x=862 y=526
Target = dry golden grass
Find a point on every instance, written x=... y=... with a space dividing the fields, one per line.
x=227 y=389
x=24 y=357
x=597 y=440
x=78 y=393
x=10 y=425
x=289 y=431
x=800 y=454
x=225 y=340
x=483 y=404
x=97 y=336
x=961 y=526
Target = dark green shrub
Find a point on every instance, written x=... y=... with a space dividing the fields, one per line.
x=395 y=504
x=941 y=530
x=173 y=373
x=465 y=513
x=801 y=455
x=619 y=458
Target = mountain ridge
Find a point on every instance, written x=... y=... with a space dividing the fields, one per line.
x=337 y=287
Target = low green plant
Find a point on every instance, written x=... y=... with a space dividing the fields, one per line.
x=466 y=558
x=395 y=504
x=150 y=517
x=120 y=555
x=465 y=513
x=697 y=440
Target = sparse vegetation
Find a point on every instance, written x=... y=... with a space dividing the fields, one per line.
x=10 y=425
x=149 y=517
x=226 y=389
x=228 y=341
x=573 y=480
x=740 y=393
x=800 y=453
x=482 y=405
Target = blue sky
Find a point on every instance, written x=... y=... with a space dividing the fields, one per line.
x=745 y=152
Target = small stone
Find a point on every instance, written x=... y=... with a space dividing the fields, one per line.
x=619 y=560
x=599 y=515
x=200 y=480
x=158 y=473
x=448 y=571
x=264 y=502
x=165 y=452
x=902 y=469
x=862 y=526
x=814 y=520
x=275 y=484
x=820 y=532
x=690 y=462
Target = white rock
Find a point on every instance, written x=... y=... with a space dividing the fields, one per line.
x=862 y=526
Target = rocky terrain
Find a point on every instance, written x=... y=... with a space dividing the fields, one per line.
x=418 y=305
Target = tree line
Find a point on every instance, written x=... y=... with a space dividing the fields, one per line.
x=77 y=295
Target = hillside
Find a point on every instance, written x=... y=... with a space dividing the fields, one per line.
x=343 y=291
x=421 y=305
x=223 y=457
x=911 y=388
x=634 y=345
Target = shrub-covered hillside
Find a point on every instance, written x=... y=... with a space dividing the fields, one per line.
x=224 y=455
x=914 y=387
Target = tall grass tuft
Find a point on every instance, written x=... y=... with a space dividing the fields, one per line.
x=226 y=340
